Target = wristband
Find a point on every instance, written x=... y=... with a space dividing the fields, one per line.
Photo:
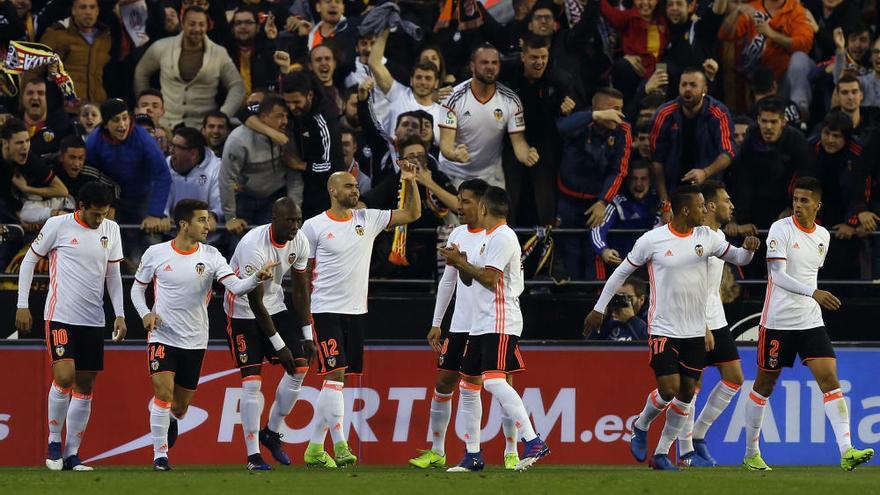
x=277 y=341
x=307 y=332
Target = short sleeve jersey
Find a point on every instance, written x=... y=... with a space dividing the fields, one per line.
x=182 y=283
x=497 y=310
x=678 y=273
x=481 y=125
x=469 y=241
x=257 y=248
x=78 y=257
x=342 y=249
x=403 y=100
x=715 y=318
x=804 y=252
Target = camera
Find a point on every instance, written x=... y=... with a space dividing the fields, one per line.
x=620 y=301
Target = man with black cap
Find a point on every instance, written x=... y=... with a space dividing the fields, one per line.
x=129 y=155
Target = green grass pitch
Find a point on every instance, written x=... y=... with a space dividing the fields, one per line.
x=397 y=480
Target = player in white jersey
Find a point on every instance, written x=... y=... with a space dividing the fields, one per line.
x=479 y=113
x=259 y=327
x=496 y=277
x=468 y=238
x=676 y=256
x=84 y=251
x=693 y=450
x=791 y=324
x=341 y=244
x=182 y=272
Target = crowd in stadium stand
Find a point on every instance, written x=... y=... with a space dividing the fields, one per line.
x=589 y=113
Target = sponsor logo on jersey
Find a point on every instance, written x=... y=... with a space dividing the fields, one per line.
x=699 y=250
x=669 y=252
x=796 y=246
x=168 y=268
x=359 y=230
x=291 y=258
x=74 y=242
x=498 y=114
x=203 y=179
x=200 y=268
x=105 y=241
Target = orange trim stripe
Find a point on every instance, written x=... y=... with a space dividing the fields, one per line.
x=441 y=398
x=252 y=378
x=468 y=385
x=333 y=385
x=161 y=403
x=757 y=399
x=731 y=385
x=833 y=395
x=77 y=395
x=61 y=389
x=491 y=375
x=678 y=410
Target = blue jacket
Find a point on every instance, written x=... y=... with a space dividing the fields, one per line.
x=624 y=213
x=595 y=160
x=136 y=164
x=714 y=136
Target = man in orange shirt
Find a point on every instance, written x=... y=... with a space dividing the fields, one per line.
x=777 y=34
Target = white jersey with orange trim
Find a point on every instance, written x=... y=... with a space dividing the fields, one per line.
x=342 y=250
x=78 y=257
x=182 y=283
x=715 y=317
x=468 y=241
x=678 y=271
x=497 y=311
x=257 y=248
x=804 y=252
x=481 y=125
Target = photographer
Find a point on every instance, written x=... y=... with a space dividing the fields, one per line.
x=627 y=320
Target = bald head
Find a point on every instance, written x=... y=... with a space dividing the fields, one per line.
x=286 y=219
x=343 y=190
x=284 y=207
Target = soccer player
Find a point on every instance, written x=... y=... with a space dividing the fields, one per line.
x=340 y=247
x=492 y=353
x=724 y=355
x=182 y=271
x=791 y=323
x=468 y=238
x=84 y=251
x=260 y=327
x=677 y=257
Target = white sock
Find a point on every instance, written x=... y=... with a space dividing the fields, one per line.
x=654 y=405
x=160 y=418
x=508 y=426
x=285 y=397
x=320 y=432
x=441 y=411
x=77 y=419
x=754 y=417
x=717 y=402
x=470 y=408
x=512 y=405
x=59 y=400
x=250 y=413
x=838 y=415
x=331 y=406
x=686 y=437
x=676 y=415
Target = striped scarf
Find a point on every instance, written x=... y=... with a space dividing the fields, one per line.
x=466 y=12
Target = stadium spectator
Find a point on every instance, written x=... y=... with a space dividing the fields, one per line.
x=216 y=128
x=772 y=156
x=151 y=102
x=837 y=154
x=46 y=127
x=691 y=139
x=763 y=86
x=741 y=124
x=628 y=314
x=191 y=67
x=195 y=173
x=693 y=37
x=349 y=139
x=635 y=208
x=322 y=63
x=848 y=93
x=644 y=34
x=776 y=34
x=643 y=141
x=545 y=93
x=253 y=173
x=130 y=156
x=870 y=79
x=829 y=16
x=333 y=28
x=84 y=46
x=866 y=205
x=251 y=52
x=88 y=120
x=595 y=159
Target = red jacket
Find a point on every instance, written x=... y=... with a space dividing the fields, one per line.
x=633 y=32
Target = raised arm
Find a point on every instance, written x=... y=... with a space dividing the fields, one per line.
x=381 y=75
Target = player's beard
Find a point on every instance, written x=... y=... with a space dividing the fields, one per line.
x=485 y=78
x=348 y=201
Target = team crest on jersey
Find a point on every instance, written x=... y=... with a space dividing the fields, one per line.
x=610 y=140
x=359 y=230
x=771 y=246
x=59 y=350
x=482 y=249
x=440 y=360
x=203 y=179
x=699 y=250
x=48 y=136
x=249 y=270
x=200 y=268
x=154 y=365
x=331 y=361
x=242 y=357
x=773 y=362
x=105 y=241
x=498 y=114
x=291 y=258
x=821 y=249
